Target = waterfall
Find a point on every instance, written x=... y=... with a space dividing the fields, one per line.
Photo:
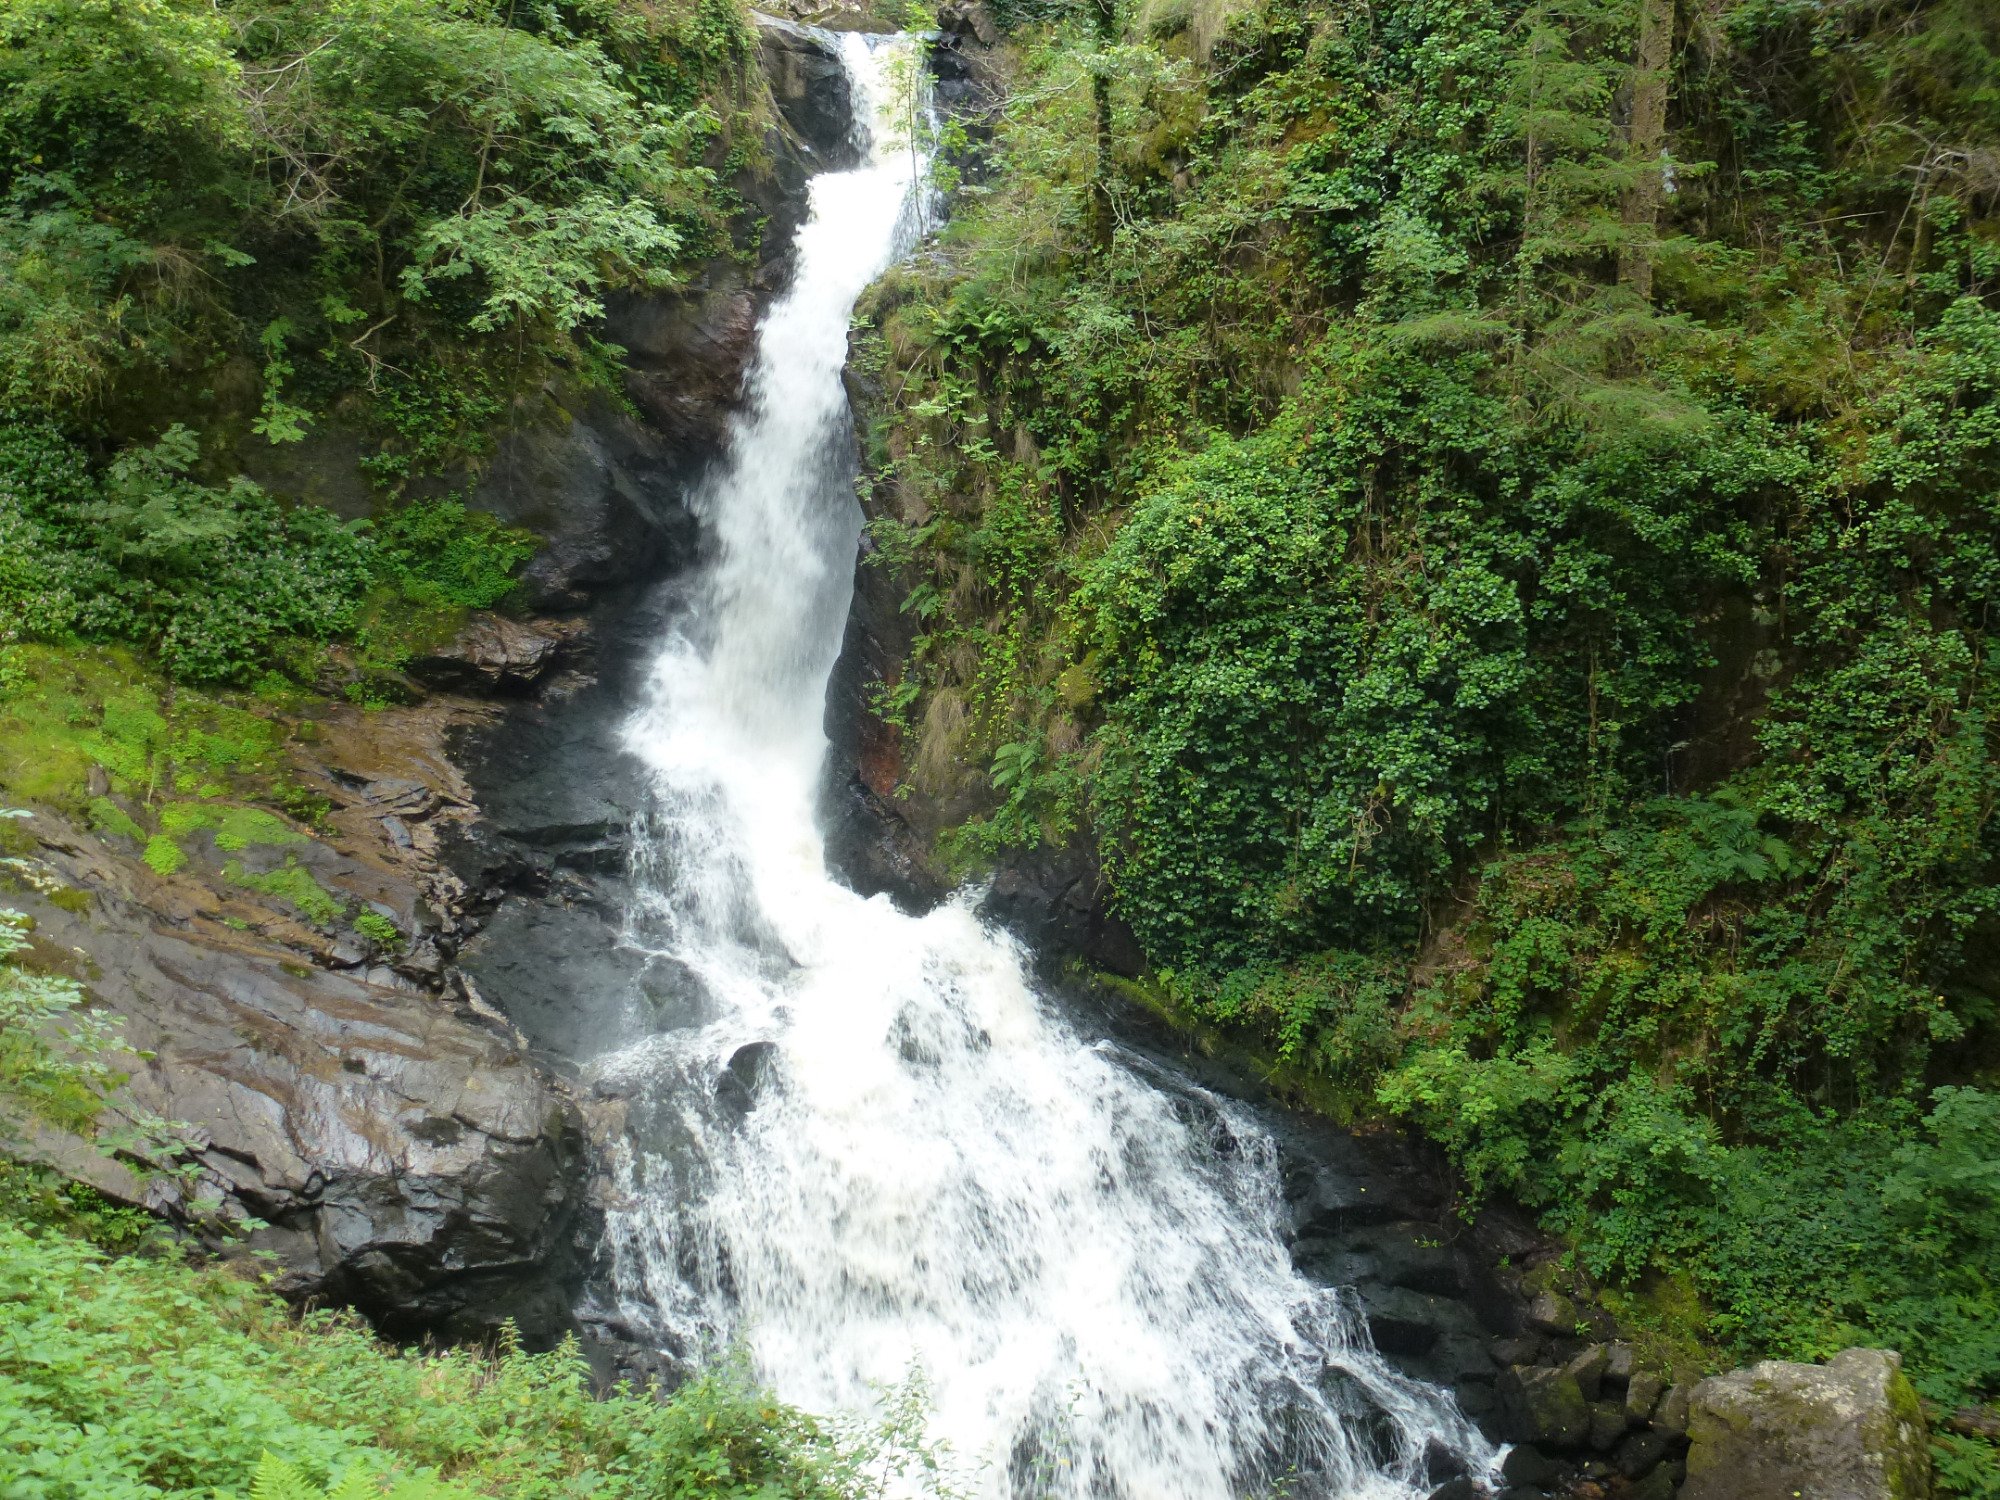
x=863 y=1142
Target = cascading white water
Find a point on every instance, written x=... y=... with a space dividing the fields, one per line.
x=874 y=1145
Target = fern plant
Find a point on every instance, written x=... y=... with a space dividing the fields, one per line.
x=277 y=1479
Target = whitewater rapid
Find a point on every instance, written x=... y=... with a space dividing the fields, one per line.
x=876 y=1148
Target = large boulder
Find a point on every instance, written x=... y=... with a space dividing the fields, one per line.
x=1847 y=1430
x=810 y=87
x=493 y=654
x=393 y=1151
x=1544 y=1406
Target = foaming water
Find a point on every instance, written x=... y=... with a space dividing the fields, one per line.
x=872 y=1146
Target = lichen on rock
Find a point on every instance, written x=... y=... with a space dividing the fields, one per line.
x=1850 y=1429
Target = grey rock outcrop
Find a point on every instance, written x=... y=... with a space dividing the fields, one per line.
x=1546 y=1406
x=603 y=493
x=685 y=357
x=402 y=1152
x=1850 y=1429
x=493 y=654
x=810 y=87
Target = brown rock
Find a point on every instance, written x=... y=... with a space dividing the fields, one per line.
x=407 y=1158
x=493 y=654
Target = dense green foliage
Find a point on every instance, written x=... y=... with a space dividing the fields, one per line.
x=1509 y=597
x=225 y=228
x=326 y=196
x=220 y=582
x=137 y=1376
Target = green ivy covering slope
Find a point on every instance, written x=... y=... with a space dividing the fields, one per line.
x=1487 y=517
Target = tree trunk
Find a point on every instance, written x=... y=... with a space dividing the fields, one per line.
x=1101 y=217
x=1648 y=135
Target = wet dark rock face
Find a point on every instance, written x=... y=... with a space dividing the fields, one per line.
x=404 y=1154
x=603 y=493
x=544 y=866
x=809 y=84
x=684 y=364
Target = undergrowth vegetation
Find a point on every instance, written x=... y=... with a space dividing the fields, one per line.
x=1485 y=517
x=223 y=583
x=137 y=1375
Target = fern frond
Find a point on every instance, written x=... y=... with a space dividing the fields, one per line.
x=276 y=1479
x=356 y=1484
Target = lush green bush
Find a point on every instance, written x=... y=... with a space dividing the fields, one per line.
x=331 y=191
x=1338 y=654
x=219 y=582
x=139 y=1376
x=396 y=215
x=1509 y=602
x=143 y=1378
x=440 y=554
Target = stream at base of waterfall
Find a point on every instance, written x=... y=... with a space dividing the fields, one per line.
x=864 y=1145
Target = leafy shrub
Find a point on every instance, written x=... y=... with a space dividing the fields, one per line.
x=379 y=930
x=209 y=578
x=137 y=1376
x=57 y=1059
x=277 y=1480
x=338 y=190
x=438 y=553
x=291 y=882
x=1888 y=1232
x=220 y=583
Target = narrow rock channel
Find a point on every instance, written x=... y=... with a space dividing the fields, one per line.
x=865 y=1144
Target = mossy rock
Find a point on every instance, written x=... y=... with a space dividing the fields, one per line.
x=1847 y=1430
x=1544 y=1406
